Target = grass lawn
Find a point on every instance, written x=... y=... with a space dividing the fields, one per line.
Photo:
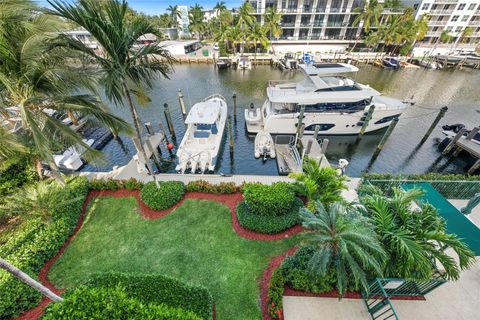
x=195 y=243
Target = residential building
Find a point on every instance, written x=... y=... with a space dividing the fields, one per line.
x=183 y=21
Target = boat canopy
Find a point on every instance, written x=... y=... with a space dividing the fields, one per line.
x=203 y=113
x=323 y=69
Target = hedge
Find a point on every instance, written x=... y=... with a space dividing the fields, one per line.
x=113 y=184
x=276 y=287
x=163 y=197
x=269 y=200
x=204 y=186
x=36 y=243
x=86 y=303
x=267 y=224
x=155 y=288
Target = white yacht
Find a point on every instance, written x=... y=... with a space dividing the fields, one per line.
x=337 y=104
x=201 y=143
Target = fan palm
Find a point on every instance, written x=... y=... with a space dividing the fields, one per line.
x=196 y=17
x=257 y=34
x=345 y=242
x=415 y=239
x=37 y=80
x=123 y=68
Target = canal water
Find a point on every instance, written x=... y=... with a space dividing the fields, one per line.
x=431 y=89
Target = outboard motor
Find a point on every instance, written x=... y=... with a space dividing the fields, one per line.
x=453 y=127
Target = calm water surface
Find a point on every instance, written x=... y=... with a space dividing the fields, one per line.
x=432 y=89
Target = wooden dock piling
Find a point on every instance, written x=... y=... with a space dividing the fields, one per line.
x=437 y=119
x=234 y=97
x=168 y=117
x=230 y=135
x=182 y=103
x=385 y=137
x=366 y=121
x=151 y=132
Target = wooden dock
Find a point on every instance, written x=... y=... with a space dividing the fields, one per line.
x=461 y=143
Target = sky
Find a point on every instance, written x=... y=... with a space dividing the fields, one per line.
x=154 y=7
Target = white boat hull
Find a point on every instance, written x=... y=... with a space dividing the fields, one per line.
x=264 y=145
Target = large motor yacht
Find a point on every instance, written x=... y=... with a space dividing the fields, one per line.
x=329 y=99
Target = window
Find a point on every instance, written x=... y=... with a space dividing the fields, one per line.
x=471 y=6
x=425 y=6
x=465 y=18
x=455 y=18
x=448 y=29
x=458 y=29
x=461 y=6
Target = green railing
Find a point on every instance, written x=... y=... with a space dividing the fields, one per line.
x=450 y=189
x=409 y=288
x=378 y=302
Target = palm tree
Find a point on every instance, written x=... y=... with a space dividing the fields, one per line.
x=37 y=81
x=272 y=22
x=245 y=20
x=174 y=16
x=123 y=68
x=234 y=36
x=196 y=17
x=467 y=32
x=345 y=242
x=319 y=184
x=257 y=34
x=10 y=145
x=219 y=7
x=415 y=239
x=369 y=15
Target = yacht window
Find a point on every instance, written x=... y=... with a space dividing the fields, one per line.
x=338 y=106
x=202 y=126
x=387 y=119
x=201 y=134
x=214 y=128
x=323 y=126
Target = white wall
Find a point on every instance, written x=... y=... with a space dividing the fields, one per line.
x=302 y=47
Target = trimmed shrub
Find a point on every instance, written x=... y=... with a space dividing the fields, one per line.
x=37 y=242
x=112 y=184
x=111 y=303
x=276 y=287
x=268 y=224
x=269 y=200
x=155 y=288
x=15 y=174
x=204 y=186
x=167 y=195
x=299 y=276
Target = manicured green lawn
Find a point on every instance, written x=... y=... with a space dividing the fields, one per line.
x=195 y=243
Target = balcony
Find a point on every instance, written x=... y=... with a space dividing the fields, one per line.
x=445 y=1
x=434 y=33
x=474 y=23
x=441 y=12
x=437 y=22
x=287 y=24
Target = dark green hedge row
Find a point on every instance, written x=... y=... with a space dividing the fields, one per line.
x=86 y=303
x=112 y=184
x=166 y=196
x=267 y=224
x=37 y=242
x=155 y=288
x=269 y=200
x=204 y=186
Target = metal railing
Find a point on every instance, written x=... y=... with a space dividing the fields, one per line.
x=378 y=302
x=410 y=288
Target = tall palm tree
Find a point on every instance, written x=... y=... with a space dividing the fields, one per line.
x=415 y=239
x=245 y=20
x=345 y=242
x=124 y=69
x=272 y=22
x=234 y=36
x=369 y=16
x=257 y=34
x=174 y=16
x=196 y=23
x=219 y=7
x=37 y=80
x=464 y=34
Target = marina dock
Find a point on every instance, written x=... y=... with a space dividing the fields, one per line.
x=466 y=143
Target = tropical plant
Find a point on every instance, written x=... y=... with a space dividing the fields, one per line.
x=415 y=239
x=445 y=37
x=272 y=22
x=464 y=34
x=244 y=20
x=37 y=81
x=234 y=36
x=174 y=16
x=196 y=23
x=257 y=34
x=317 y=183
x=123 y=68
x=369 y=14
x=344 y=241
x=219 y=7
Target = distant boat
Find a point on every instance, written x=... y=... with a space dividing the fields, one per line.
x=71 y=159
x=264 y=146
x=244 y=63
x=199 y=149
x=223 y=63
x=392 y=63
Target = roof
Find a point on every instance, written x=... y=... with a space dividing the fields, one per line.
x=328 y=69
x=148 y=37
x=203 y=112
x=178 y=43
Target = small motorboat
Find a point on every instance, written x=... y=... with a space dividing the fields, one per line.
x=200 y=146
x=223 y=63
x=264 y=146
x=391 y=63
x=451 y=131
x=244 y=63
x=71 y=159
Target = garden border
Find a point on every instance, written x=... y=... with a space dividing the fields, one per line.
x=229 y=200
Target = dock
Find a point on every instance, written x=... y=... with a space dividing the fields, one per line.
x=466 y=143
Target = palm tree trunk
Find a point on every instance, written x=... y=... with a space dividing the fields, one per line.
x=38 y=168
x=56 y=174
x=25 y=278
x=139 y=134
x=72 y=117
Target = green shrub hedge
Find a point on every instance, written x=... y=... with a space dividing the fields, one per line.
x=167 y=195
x=112 y=184
x=204 y=186
x=268 y=224
x=111 y=303
x=36 y=242
x=276 y=287
x=269 y=200
x=155 y=288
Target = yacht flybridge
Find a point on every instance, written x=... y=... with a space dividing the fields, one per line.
x=337 y=104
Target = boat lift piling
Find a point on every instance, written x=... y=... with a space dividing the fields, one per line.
x=234 y=97
x=165 y=138
x=168 y=116
x=384 y=139
x=182 y=103
x=230 y=135
x=299 y=124
x=368 y=117
x=440 y=115
x=315 y=133
x=151 y=132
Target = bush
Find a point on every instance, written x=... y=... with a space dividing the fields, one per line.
x=154 y=288
x=15 y=174
x=37 y=242
x=269 y=200
x=204 y=186
x=111 y=303
x=167 y=195
x=299 y=276
x=276 y=287
x=112 y=184
x=267 y=224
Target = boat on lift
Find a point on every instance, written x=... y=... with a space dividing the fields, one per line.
x=244 y=63
x=200 y=146
x=335 y=103
x=264 y=146
x=71 y=159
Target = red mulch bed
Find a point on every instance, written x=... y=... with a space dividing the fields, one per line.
x=229 y=200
